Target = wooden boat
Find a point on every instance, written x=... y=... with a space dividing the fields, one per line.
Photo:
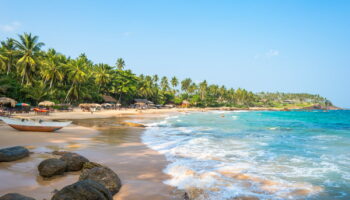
x=30 y=125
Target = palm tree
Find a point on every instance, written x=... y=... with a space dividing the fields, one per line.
x=77 y=74
x=174 y=81
x=120 y=63
x=29 y=48
x=146 y=87
x=102 y=75
x=185 y=84
x=8 y=53
x=52 y=67
x=203 y=86
x=164 y=83
x=124 y=82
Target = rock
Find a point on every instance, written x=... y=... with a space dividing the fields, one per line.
x=83 y=190
x=74 y=161
x=60 y=153
x=13 y=153
x=90 y=165
x=51 y=167
x=103 y=175
x=15 y=196
x=131 y=124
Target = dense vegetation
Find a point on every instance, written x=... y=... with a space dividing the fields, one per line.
x=30 y=74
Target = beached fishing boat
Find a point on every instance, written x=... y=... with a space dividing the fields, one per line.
x=30 y=125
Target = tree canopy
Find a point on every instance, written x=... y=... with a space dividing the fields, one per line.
x=30 y=74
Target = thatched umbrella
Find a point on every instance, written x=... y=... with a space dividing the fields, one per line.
x=46 y=103
x=6 y=100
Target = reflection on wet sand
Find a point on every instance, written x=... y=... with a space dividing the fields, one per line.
x=115 y=146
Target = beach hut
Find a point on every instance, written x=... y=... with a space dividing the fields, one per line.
x=4 y=101
x=143 y=103
x=112 y=101
x=185 y=104
x=109 y=99
x=46 y=103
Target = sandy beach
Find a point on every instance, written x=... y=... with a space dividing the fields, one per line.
x=118 y=147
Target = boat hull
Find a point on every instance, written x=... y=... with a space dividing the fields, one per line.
x=35 y=128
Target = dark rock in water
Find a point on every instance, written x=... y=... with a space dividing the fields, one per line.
x=51 y=167
x=60 y=153
x=83 y=190
x=74 y=161
x=13 y=153
x=15 y=196
x=103 y=175
x=90 y=165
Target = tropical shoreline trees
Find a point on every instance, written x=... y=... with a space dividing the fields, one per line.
x=29 y=73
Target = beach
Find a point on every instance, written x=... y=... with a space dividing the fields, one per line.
x=119 y=148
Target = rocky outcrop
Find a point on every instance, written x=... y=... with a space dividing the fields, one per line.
x=13 y=153
x=74 y=161
x=83 y=190
x=15 y=196
x=104 y=176
x=320 y=107
x=51 y=167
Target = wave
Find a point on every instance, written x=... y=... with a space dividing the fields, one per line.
x=210 y=162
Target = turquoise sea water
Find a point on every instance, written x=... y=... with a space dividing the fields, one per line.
x=263 y=154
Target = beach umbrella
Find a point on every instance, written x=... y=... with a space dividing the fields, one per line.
x=22 y=104
x=46 y=103
x=6 y=100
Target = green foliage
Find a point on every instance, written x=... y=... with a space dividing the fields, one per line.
x=29 y=74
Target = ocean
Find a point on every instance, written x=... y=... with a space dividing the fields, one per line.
x=256 y=154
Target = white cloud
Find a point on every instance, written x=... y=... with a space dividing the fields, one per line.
x=10 y=27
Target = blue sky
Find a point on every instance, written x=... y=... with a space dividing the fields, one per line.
x=287 y=46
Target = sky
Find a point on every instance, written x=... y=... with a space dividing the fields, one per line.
x=285 y=46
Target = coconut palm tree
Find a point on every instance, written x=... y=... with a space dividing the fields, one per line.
x=77 y=74
x=8 y=54
x=102 y=74
x=120 y=63
x=29 y=49
x=52 y=70
x=185 y=84
x=164 y=83
x=203 y=86
x=146 y=87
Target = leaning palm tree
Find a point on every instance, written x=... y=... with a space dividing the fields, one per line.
x=29 y=48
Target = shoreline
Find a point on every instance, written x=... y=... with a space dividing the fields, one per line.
x=120 y=148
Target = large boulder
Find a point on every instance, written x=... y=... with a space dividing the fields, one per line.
x=83 y=190
x=13 y=153
x=103 y=175
x=51 y=167
x=15 y=196
x=74 y=161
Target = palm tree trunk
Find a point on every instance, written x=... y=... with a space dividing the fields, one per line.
x=8 y=68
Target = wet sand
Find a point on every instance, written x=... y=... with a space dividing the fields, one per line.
x=120 y=148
